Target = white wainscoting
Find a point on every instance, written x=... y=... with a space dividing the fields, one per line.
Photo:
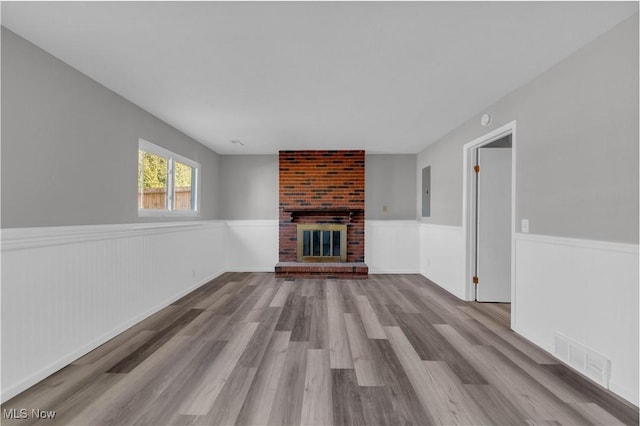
x=586 y=291
x=252 y=245
x=392 y=246
x=442 y=257
x=66 y=290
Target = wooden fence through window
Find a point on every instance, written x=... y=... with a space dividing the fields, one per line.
x=155 y=198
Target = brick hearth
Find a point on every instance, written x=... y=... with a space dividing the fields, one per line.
x=321 y=270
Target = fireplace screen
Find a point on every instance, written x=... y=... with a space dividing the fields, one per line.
x=322 y=243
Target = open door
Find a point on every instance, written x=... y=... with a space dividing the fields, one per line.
x=493 y=226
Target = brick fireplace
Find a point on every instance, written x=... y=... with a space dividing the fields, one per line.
x=323 y=191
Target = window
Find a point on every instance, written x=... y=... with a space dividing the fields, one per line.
x=167 y=182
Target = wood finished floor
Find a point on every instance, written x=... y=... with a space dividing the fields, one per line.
x=250 y=349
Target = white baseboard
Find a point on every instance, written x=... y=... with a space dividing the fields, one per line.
x=630 y=394
x=392 y=271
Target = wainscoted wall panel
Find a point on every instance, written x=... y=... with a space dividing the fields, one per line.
x=586 y=291
x=66 y=290
x=252 y=245
x=442 y=257
x=393 y=246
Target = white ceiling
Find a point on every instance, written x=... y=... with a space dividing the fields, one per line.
x=388 y=77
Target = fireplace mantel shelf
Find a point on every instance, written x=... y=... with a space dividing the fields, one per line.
x=343 y=211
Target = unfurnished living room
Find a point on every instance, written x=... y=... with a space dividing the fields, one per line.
x=319 y=213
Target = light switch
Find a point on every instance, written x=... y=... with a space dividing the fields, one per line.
x=525 y=226
x=384 y=208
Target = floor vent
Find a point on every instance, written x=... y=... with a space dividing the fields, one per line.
x=587 y=362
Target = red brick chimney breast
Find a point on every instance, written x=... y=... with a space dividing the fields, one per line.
x=322 y=187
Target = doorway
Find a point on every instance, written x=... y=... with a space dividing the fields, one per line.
x=489 y=217
x=493 y=225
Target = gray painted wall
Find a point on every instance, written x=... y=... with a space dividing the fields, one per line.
x=69 y=145
x=576 y=146
x=249 y=187
x=390 y=180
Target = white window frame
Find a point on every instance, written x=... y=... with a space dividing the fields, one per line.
x=172 y=158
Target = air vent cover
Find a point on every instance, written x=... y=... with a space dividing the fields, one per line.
x=588 y=362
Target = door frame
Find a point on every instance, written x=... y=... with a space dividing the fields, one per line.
x=468 y=205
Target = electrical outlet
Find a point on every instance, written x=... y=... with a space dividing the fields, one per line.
x=384 y=208
x=525 y=226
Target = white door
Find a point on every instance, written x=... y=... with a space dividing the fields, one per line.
x=494 y=225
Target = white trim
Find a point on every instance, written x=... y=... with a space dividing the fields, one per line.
x=168 y=213
x=150 y=147
x=468 y=224
x=27 y=238
x=579 y=243
x=250 y=269
x=184 y=160
x=630 y=394
x=196 y=190
x=147 y=146
x=375 y=271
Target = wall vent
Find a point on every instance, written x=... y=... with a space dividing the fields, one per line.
x=590 y=363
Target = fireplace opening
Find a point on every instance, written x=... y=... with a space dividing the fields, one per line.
x=321 y=242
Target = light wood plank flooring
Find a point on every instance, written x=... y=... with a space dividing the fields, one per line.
x=250 y=349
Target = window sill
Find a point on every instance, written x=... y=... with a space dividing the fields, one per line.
x=167 y=213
